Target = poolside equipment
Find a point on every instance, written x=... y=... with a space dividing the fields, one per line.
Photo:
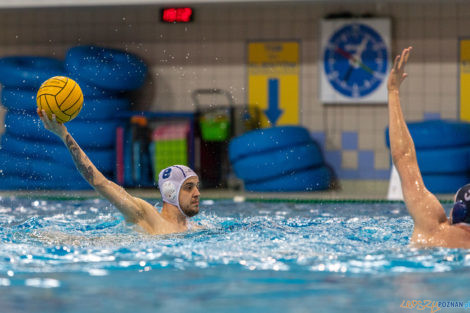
x=89 y=133
x=18 y=172
x=299 y=180
x=104 y=107
x=169 y=145
x=437 y=134
x=215 y=111
x=107 y=68
x=283 y=158
x=19 y=100
x=14 y=182
x=266 y=164
x=92 y=91
x=102 y=74
x=61 y=96
x=28 y=72
x=55 y=152
x=443 y=153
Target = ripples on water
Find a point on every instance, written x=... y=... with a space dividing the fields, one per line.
x=91 y=236
x=80 y=256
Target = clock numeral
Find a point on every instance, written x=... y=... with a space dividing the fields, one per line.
x=379 y=46
x=355 y=91
x=333 y=75
x=379 y=76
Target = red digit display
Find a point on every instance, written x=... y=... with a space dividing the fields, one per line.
x=177 y=15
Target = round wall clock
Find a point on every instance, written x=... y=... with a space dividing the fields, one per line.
x=355 y=61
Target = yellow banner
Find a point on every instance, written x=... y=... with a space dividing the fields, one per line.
x=465 y=80
x=273 y=52
x=273 y=82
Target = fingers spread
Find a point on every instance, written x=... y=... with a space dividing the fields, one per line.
x=395 y=63
x=408 y=54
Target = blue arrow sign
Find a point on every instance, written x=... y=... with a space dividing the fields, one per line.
x=273 y=112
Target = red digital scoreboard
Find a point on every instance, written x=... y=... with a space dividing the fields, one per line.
x=177 y=15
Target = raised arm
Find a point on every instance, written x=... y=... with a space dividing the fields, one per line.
x=135 y=210
x=423 y=206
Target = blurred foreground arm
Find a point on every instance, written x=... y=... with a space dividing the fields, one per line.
x=422 y=205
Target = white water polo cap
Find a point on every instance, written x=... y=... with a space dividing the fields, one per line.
x=170 y=180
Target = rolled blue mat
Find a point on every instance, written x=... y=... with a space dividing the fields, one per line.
x=19 y=100
x=110 y=69
x=88 y=134
x=444 y=160
x=300 y=180
x=445 y=183
x=103 y=108
x=437 y=134
x=34 y=168
x=90 y=90
x=267 y=139
x=12 y=182
x=28 y=71
x=103 y=159
x=27 y=173
x=273 y=163
x=23 y=101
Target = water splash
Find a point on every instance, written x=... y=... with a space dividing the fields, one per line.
x=91 y=236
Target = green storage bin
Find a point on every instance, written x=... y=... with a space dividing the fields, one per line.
x=168 y=153
x=214 y=129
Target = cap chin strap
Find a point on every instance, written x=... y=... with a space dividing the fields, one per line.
x=178 y=200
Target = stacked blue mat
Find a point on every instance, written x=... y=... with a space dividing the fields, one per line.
x=283 y=158
x=443 y=153
x=32 y=157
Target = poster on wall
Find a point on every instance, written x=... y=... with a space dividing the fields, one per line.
x=354 y=60
x=464 y=75
x=273 y=81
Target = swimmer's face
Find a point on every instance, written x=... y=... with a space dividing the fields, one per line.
x=189 y=196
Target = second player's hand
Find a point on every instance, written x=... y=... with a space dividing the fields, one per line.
x=397 y=74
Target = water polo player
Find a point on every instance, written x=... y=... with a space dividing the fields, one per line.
x=178 y=184
x=460 y=213
x=431 y=225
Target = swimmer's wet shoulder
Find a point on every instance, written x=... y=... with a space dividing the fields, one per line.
x=446 y=235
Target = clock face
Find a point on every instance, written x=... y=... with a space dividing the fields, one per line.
x=355 y=60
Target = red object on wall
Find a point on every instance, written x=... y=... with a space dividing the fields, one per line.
x=177 y=15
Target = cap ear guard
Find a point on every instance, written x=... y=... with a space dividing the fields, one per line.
x=460 y=213
x=168 y=190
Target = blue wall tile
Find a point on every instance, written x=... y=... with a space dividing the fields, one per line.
x=431 y=116
x=349 y=140
x=320 y=138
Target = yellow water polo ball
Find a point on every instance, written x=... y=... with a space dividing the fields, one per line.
x=61 y=96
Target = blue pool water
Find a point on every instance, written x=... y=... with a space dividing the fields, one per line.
x=80 y=256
